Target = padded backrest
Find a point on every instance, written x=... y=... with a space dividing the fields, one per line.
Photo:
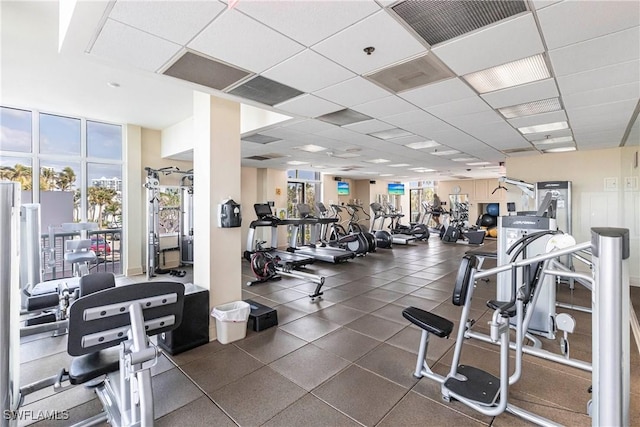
x=101 y=320
x=95 y=282
x=464 y=279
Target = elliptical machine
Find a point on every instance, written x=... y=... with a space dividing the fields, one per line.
x=338 y=236
x=383 y=238
x=356 y=227
x=416 y=229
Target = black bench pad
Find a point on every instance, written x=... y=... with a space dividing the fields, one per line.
x=428 y=321
x=483 y=253
x=89 y=366
x=494 y=305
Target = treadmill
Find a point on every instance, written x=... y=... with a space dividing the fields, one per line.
x=326 y=254
x=397 y=238
x=267 y=219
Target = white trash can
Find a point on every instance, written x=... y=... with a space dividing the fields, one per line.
x=231 y=321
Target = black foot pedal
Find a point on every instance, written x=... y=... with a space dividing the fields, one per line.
x=480 y=386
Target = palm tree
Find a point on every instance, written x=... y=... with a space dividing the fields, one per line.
x=66 y=179
x=98 y=197
x=47 y=178
x=23 y=174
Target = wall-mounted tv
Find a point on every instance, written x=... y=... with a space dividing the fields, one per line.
x=395 y=189
x=343 y=188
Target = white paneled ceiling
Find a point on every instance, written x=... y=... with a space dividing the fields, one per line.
x=317 y=47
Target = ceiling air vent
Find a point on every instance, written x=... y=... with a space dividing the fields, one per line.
x=440 y=20
x=411 y=74
x=265 y=91
x=269 y=156
x=204 y=71
x=260 y=139
x=518 y=150
x=344 y=117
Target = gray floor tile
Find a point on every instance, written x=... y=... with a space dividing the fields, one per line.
x=201 y=351
x=339 y=314
x=288 y=314
x=391 y=312
x=308 y=306
x=309 y=328
x=362 y=395
x=172 y=390
x=415 y=410
x=363 y=303
x=201 y=412
x=270 y=345
x=309 y=366
x=392 y=363
x=256 y=398
x=348 y=344
x=398 y=286
x=311 y=412
x=383 y=295
x=221 y=368
x=285 y=295
x=375 y=327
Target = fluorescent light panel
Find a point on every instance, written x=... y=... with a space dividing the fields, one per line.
x=377 y=161
x=297 y=163
x=559 y=150
x=311 y=148
x=556 y=140
x=386 y=174
x=478 y=163
x=399 y=165
x=530 y=108
x=445 y=153
x=511 y=74
x=346 y=155
x=391 y=134
x=422 y=144
x=464 y=159
x=548 y=127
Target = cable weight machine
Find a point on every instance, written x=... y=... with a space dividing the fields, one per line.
x=156 y=210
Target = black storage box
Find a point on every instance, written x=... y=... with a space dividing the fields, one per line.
x=194 y=329
x=261 y=316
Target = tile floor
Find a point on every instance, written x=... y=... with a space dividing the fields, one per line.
x=345 y=360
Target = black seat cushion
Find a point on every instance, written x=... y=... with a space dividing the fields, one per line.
x=494 y=305
x=89 y=366
x=430 y=322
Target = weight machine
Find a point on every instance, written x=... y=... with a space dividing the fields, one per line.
x=156 y=212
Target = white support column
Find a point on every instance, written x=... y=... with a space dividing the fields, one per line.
x=134 y=237
x=216 y=164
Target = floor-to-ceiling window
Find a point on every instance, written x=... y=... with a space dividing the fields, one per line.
x=78 y=164
x=420 y=192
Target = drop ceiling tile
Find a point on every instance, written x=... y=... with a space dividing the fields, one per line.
x=308 y=22
x=415 y=116
x=310 y=126
x=571 y=22
x=602 y=96
x=369 y=126
x=252 y=50
x=178 y=22
x=407 y=140
x=459 y=108
x=539 y=4
x=349 y=137
x=542 y=89
x=611 y=49
x=606 y=139
x=475 y=119
x=601 y=78
x=538 y=119
x=392 y=43
x=308 y=106
x=352 y=92
x=283 y=133
x=134 y=47
x=308 y=72
x=439 y=93
x=428 y=128
x=384 y=107
x=506 y=41
x=500 y=135
x=603 y=113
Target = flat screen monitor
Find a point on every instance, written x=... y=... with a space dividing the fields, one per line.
x=395 y=189
x=343 y=188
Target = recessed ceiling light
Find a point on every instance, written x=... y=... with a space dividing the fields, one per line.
x=113 y=85
x=318 y=166
x=556 y=140
x=422 y=144
x=346 y=155
x=377 y=161
x=297 y=163
x=386 y=174
x=548 y=127
x=399 y=165
x=530 y=108
x=445 y=153
x=391 y=134
x=478 y=163
x=422 y=170
x=511 y=74
x=464 y=159
x=559 y=150
x=311 y=148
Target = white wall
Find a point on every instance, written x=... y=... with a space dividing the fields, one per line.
x=177 y=139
